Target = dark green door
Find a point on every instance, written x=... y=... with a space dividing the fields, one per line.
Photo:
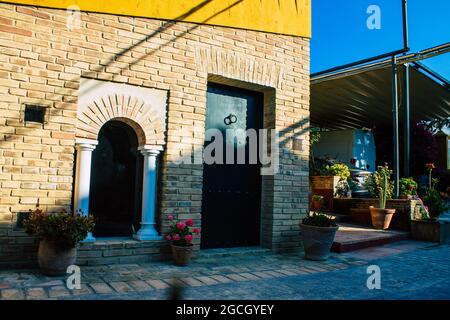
x=231 y=192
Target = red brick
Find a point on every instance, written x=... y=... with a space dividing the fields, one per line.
x=22 y=32
x=5 y=21
x=33 y=13
x=63 y=135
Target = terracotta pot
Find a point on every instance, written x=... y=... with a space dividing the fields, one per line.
x=381 y=218
x=53 y=260
x=317 y=241
x=181 y=255
x=316 y=205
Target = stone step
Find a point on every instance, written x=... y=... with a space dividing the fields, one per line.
x=353 y=237
x=121 y=251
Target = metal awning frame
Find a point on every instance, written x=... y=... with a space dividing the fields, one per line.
x=393 y=59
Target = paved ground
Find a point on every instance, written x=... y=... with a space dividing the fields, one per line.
x=409 y=270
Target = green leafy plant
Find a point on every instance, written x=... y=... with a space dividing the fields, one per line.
x=319 y=220
x=338 y=169
x=424 y=214
x=65 y=229
x=408 y=186
x=435 y=203
x=380 y=185
x=317 y=197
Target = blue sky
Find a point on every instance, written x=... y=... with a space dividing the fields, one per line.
x=340 y=33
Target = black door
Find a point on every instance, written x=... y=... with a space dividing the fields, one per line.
x=231 y=192
x=116 y=181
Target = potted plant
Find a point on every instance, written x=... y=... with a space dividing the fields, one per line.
x=318 y=231
x=436 y=205
x=331 y=181
x=317 y=201
x=181 y=235
x=380 y=186
x=58 y=233
x=408 y=188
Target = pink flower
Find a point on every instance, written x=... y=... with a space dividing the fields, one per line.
x=170 y=217
x=189 y=222
x=169 y=237
x=197 y=231
x=176 y=237
x=188 y=238
x=180 y=225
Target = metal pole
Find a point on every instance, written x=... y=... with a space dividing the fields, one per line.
x=395 y=126
x=405 y=25
x=407 y=140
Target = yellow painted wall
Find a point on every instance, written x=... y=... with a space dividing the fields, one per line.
x=291 y=17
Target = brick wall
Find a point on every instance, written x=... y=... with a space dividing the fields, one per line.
x=43 y=62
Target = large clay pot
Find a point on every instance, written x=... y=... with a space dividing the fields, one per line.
x=54 y=260
x=181 y=255
x=317 y=241
x=381 y=218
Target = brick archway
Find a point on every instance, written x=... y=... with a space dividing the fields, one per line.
x=143 y=109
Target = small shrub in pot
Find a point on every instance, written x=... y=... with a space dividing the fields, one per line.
x=317 y=202
x=59 y=234
x=318 y=231
x=408 y=188
x=181 y=235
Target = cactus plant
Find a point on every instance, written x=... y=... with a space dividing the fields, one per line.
x=382 y=191
x=380 y=185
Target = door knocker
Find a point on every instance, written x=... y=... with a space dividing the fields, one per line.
x=230 y=119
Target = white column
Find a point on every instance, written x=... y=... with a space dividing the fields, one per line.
x=147 y=230
x=84 y=149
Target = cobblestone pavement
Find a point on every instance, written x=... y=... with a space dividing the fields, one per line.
x=409 y=270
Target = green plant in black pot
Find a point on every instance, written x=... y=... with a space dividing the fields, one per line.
x=435 y=203
x=319 y=220
x=318 y=231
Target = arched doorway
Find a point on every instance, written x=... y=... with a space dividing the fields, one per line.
x=116 y=181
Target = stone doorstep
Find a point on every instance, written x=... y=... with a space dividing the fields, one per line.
x=364 y=237
x=121 y=251
x=120 y=244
